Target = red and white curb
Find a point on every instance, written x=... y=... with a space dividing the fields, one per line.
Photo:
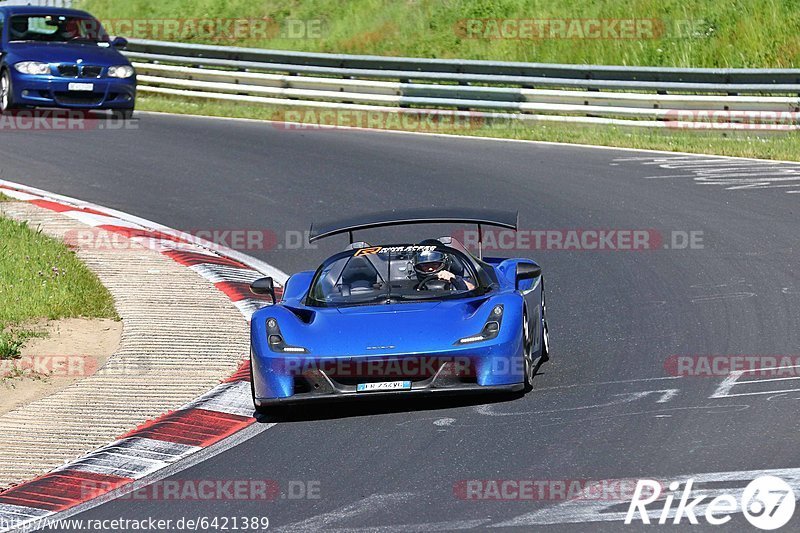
x=214 y=416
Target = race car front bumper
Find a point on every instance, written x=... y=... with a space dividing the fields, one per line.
x=317 y=384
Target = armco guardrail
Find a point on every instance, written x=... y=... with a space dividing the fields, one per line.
x=642 y=96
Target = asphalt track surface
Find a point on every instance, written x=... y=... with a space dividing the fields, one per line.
x=605 y=407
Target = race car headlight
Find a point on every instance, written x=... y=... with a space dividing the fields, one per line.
x=120 y=71
x=490 y=329
x=276 y=342
x=33 y=67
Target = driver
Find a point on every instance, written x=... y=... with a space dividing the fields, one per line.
x=68 y=30
x=434 y=264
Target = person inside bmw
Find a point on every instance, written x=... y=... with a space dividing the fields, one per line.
x=434 y=270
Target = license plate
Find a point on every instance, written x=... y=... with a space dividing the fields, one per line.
x=385 y=385
x=81 y=87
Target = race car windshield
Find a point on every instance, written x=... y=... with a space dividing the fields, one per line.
x=56 y=28
x=391 y=274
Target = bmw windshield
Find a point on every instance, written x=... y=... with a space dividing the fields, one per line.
x=388 y=274
x=56 y=29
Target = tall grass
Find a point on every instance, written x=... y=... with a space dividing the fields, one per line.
x=696 y=33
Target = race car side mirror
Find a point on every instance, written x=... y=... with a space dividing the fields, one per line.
x=119 y=42
x=527 y=271
x=264 y=286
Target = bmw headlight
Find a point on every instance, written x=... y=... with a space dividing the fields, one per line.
x=121 y=71
x=33 y=67
x=490 y=329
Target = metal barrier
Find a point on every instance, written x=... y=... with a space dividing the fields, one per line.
x=640 y=96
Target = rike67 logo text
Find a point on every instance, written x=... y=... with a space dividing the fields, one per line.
x=767 y=502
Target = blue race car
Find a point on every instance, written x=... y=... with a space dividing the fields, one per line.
x=427 y=318
x=54 y=57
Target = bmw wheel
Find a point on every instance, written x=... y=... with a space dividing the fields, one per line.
x=6 y=97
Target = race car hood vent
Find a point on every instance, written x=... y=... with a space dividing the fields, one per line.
x=306 y=316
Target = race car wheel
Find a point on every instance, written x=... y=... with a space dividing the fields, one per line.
x=6 y=96
x=527 y=351
x=545 y=333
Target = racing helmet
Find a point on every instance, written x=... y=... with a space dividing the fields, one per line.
x=429 y=262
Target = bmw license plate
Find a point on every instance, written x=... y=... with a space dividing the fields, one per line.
x=384 y=385
x=81 y=87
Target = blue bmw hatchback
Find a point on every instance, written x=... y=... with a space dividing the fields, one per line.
x=63 y=58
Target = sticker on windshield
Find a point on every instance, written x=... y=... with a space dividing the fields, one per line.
x=367 y=251
x=413 y=248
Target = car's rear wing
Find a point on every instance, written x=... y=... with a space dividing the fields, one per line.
x=481 y=217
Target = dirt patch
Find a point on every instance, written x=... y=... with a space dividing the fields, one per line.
x=72 y=349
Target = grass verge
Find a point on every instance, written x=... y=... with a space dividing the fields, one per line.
x=677 y=33
x=41 y=278
x=784 y=146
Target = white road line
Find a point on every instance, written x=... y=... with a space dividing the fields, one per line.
x=623 y=398
x=731 y=296
x=732 y=174
x=370 y=505
x=723 y=390
x=726 y=385
x=767 y=380
x=599 y=383
x=737 y=395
